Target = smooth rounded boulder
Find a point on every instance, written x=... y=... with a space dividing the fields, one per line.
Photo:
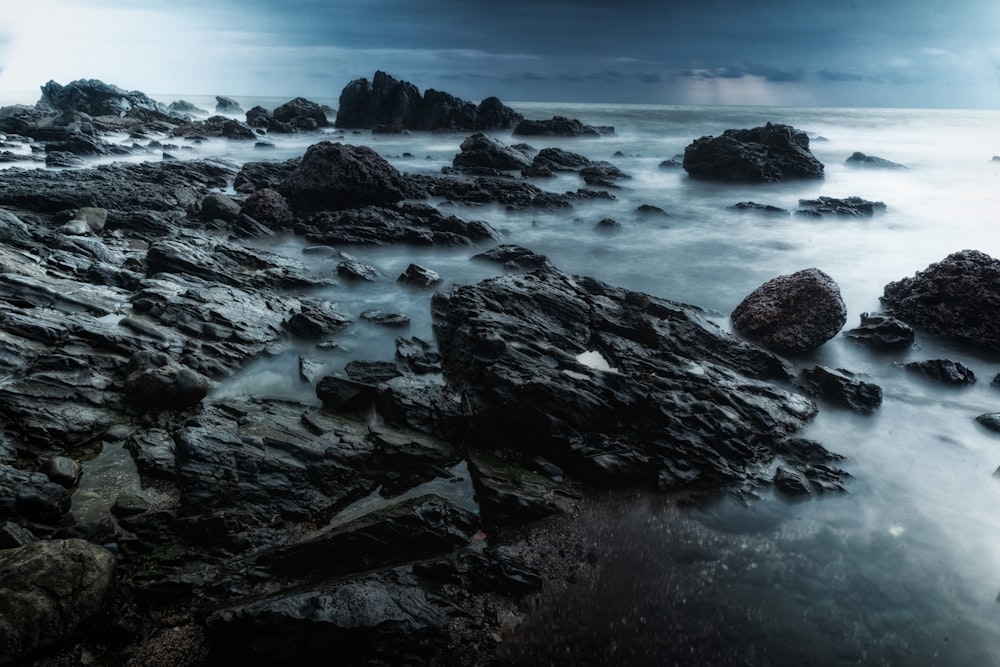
x=792 y=313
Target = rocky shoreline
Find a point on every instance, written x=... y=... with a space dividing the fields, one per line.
x=387 y=525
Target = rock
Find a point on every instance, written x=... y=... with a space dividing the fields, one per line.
x=990 y=420
x=49 y=592
x=301 y=114
x=413 y=224
x=96 y=98
x=94 y=216
x=513 y=258
x=858 y=159
x=608 y=225
x=418 y=276
x=339 y=176
x=227 y=105
x=269 y=208
x=315 y=320
x=790 y=483
x=956 y=299
x=417 y=355
x=388 y=102
x=371 y=372
x=354 y=270
x=841 y=387
x=944 y=371
x=754 y=207
x=603 y=174
x=63 y=160
x=523 y=350
x=259 y=118
x=792 y=313
x=62 y=470
x=556 y=159
x=154 y=381
x=509 y=494
x=340 y=394
x=183 y=107
x=764 y=154
x=217 y=206
x=382 y=318
x=853 y=207
x=882 y=331
x=481 y=150
x=557 y=126
x=13 y=535
x=30 y=496
x=217 y=126
x=375 y=618
x=649 y=211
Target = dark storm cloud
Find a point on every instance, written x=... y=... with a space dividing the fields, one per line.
x=651 y=77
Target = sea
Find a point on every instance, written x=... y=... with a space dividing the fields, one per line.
x=903 y=568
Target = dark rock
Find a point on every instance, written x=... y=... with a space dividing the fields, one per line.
x=495 y=115
x=513 y=258
x=557 y=126
x=841 y=387
x=49 y=592
x=154 y=380
x=413 y=224
x=385 y=319
x=990 y=420
x=62 y=160
x=371 y=619
x=418 y=276
x=217 y=126
x=301 y=114
x=754 y=207
x=227 y=105
x=509 y=494
x=790 y=482
x=259 y=118
x=792 y=313
x=339 y=176
x=183 y=107
x=354 y=270
x=613 y=386
x=62 y=470
x=31 y=496
x=944 y=371
x=424 y=405
x=96 y=98
x=481 y=150
x=217 y=206
x=853 y=207
x=858 y=159
x=316 y=319
x=650 y=211
x=957 y=299
x=556 y=159
x=371 y=372
x=341 y=394
x=882 y=331
x=608 y=225
x=603 y=174
x=14 y=535
x=671 y=164
x=417 y=355
x=763 y=154
x=269 y=208
x=152 y=450
x=515 y=194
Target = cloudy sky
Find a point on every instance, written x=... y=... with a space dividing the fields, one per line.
x=918 y=53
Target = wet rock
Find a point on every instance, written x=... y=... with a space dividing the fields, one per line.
x=549 y=160
x=607 y=225
x=603 y=174
x=514 y=194
x=382 y=318
x=62 y=470
x=754 y=207
x=418 y=356
x=371 y=372
x=859 y=159
x=13 y=535
x=531 y=381
x=412 y=224
x=990 y=420
x=152 y=449
x=354 y=270
x=183 y=107
x=269 y=208
x=418 y=276
x=218 y=206
x=956 y=299
x=216 y=126
x=340 y=394
x=339 y=176
x=259 y=118
x=944 y=371
x=764 y=154
x=513 y=258
x=792 y=313
x=481 y=571
x=96 y=98
x=841 y=387
x=852 y=207
x=481 y=150
x=316 y=319
x=509 y=494
x=882 y=331
x=63 y=160
x=30 y=496
x=155 y=381
x=227 y=105
x=381 y=617
x=650 y=211
x=49 y=592
x=557 y=126
x=424 y=405
x=301 y=114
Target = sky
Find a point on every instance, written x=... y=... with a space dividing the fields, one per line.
x=876 y=53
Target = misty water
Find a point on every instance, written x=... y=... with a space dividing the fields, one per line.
x=903 y=569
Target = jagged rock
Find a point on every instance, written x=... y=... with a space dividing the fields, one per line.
x=371 y=372
x=513 y=258
x=418 y=356
x=882 y=331
x=557 y=126
x=990 y=420
x=603 y=174
x=301 y=114
x=549 y=160
x=30 y=496
x=49 y=592
x=418 y=276
x=854 y=207
x=154 y=380
x=509 y=494
x=956 y=299
x=792 y=313
x=841 y=387
x=763 y=154
x=227 y=105
x=944 y=371
x=259 y=118
x=355 y=270
x=269 y=208
x=339 y=176
x=649 y=211
x=529 y=373
x=340 y=394
x=859 y=159
x=483 y=151
x=183 y=107
x=754 y=207
x=413 y=224
x=217 y=126
x=607 y=225
x=316 y=319
x=96 y=98
x=515 y=194
x=218 y=206
x=382 y=318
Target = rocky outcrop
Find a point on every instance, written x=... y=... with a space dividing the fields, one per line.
x=49 y=592
x=792 y=313
x=956 y=299
x=859 y=159
x=559 y=126
x=852 y=207
x=764 y=154
x=96 y=98
x=339 y=176
x=841 y=387
x=481 y=151
x=882 y=331
x=299 y=114
x=388 y=102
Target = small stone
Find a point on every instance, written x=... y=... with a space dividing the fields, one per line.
x=418 y=276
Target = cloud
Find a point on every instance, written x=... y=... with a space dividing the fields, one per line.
x=651 y=77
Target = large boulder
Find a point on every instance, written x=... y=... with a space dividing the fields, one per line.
x=483 y=151
x=49 y=592
x=613 y=386
x=96 y=98
x=957 y=299
x=764 y=154
x=301 y=114
x=557 y=126
x=792 y=313
x=338 y=176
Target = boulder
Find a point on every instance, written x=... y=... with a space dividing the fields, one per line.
x=549 y=160
x=754 y=207
x=49 y=592
x=259 y=118
x=339 y=176
x=557 y=126
x=227 y=105
x=154 y=380
x=32 y=497
x=841 y=387
x=956 y=299
x=495 y=115
x=96 y=98
x=853 y=207
x=62 y=470
x=944 y=371
x=859 y=159
x=882 y=331
x=763 y=154
x=418 y=276
x=414 y=224
x=990 y=420
x=301 y=114
x=483 y=151
x=269 y=208
x=792 y=313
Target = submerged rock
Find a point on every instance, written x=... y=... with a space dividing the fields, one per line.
x=956 y=299
x=945 y=371
x=990 y=420
x=763 y=154
x=841 y=387
x=882 y=331
x=854 y=207
x=859 y=159
x=558 y=126
x=483 y=151
x=792 y=313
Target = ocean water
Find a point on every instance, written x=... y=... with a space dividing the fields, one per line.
x=904 y=569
